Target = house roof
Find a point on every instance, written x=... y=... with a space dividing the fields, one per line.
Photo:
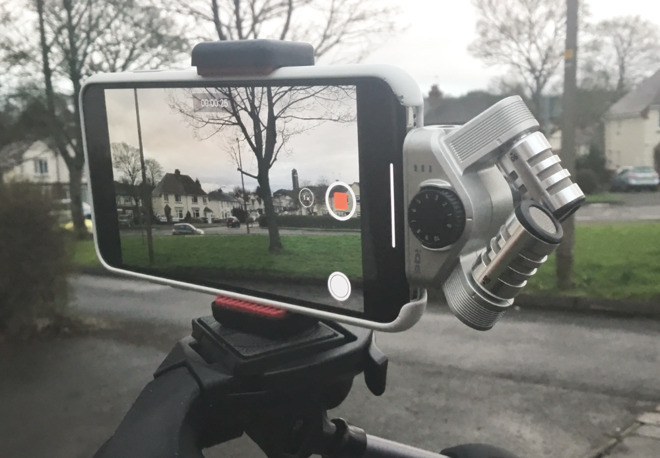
x=11 y=155
x=124 y=189
x=451 y=111
x=637 y=100
x=177 y=183
x=220 y=196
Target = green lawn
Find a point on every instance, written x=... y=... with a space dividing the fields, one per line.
x=604 y=198
x=614 y=261
x=618 y=261
x=304 y=256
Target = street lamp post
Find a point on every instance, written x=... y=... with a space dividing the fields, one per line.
x=240 y=169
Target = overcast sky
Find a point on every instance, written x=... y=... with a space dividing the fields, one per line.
x=433 y=48
x=325 y=151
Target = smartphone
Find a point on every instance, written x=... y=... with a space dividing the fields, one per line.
x=283 y=189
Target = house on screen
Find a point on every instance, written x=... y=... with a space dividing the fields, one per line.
x=176 y=194
x=221 y=204
x=126 y=199
x=632 y=127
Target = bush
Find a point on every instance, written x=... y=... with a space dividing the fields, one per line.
x=34 y=261
x=587 y=180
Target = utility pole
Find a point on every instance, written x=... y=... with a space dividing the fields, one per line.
x=567 y=154
x=145 y=195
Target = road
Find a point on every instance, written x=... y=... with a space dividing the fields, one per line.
x=220 y=229
x=639 y=206
x=543 y=384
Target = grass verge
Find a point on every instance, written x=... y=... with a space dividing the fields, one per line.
x=604 y=198
x=304 y=256
x=612 y=261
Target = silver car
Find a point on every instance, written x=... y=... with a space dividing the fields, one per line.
x=186 y=229
x=635 y=178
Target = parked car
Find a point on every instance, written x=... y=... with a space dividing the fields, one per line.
x=125 y=221
x=635 y=178
x=163 y=218
x=186 y=229
x=232 y=221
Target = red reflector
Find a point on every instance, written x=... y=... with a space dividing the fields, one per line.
x=251 y=308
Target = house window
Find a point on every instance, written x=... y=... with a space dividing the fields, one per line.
x=40 y=166
x=194 y=199
x=177 y=197
x=127 y=200
x=204 y=199
x=166 y=197
x=179 y=212
x=195 y=212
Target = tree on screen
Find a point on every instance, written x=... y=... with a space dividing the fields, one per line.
x=264 y=119
x=127 y=165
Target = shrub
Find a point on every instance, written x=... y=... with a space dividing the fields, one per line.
x=34 y=260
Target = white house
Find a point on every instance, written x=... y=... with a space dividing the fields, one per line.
x=36 y=162
x=221 y=204
x=632 y=127
x=176 y=195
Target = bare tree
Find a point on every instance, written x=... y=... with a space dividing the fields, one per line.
x=75 y=38
x=126 y=161
x=154 y=171
x=266 y=118
x=526 y=36
x=128 y=165
x=351 y=27
x=619 y=53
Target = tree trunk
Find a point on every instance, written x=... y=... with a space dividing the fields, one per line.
x=564 y=267
x=275 y=244
x=75 y=192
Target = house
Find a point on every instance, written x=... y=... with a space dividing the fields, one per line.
x=126 y=201
x=36 y=162
x=632 y=127
x=221 y=204
x=176 y=194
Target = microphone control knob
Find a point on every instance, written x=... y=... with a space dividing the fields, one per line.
x=436 y=217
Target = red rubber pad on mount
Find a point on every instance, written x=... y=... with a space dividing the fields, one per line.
x=249 y=308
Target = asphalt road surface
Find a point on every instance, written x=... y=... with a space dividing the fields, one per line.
x=636 y=206
x=542 y=384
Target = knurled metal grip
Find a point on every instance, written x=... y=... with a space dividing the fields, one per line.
x=480 y=292
x=483 y=137
x=537 y=173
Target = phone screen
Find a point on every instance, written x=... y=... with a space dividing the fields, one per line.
x=253 y=189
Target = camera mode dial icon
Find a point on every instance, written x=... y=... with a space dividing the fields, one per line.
x=436 y=217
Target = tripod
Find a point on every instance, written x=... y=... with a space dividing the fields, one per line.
x=273 y=379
